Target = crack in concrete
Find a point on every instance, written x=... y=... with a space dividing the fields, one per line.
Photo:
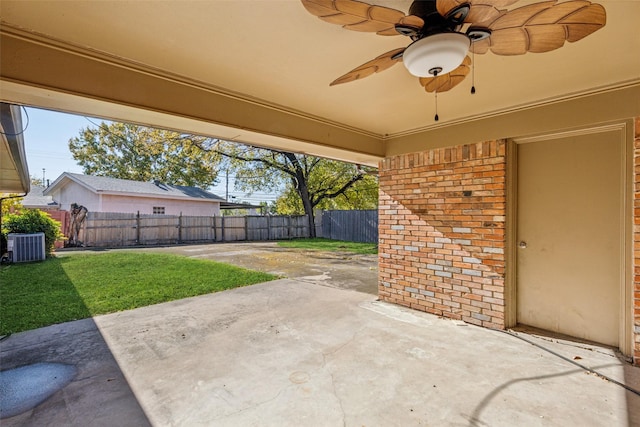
x=346 y=343
x=332 y=375
x=335 y=393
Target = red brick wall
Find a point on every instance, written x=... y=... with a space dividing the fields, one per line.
x=63 y=218
x=442 y=232
x=636 y=239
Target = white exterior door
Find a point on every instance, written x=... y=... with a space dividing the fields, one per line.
x=569 y=236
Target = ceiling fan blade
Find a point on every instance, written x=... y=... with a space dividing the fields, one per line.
x=481 y=46
x=447 y=81
x=380 y=63
x=481 y=10
x=407 y=21
x=358 y=16
x=542 y=27
x=579 y=18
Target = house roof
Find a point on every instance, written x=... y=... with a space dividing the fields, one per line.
x=106 y=185
x=36 y=199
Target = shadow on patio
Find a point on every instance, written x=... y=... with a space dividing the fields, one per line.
x=96 y=392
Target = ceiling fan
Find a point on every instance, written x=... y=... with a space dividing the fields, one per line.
x=443 y=32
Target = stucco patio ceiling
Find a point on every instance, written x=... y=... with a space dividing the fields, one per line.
x=259 y=71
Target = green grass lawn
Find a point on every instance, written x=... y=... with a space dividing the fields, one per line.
x=321 y=244
x=78 y=286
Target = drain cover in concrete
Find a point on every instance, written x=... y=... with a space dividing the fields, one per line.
x=26 y=387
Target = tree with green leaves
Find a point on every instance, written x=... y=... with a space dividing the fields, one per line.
x=363 y=194
x=128 y=151
x=309 y=182
x=37 y=181
x=11 y=203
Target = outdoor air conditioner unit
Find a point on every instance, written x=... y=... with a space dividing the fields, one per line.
x=25 y=247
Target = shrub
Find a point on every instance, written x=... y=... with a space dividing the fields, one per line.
x=33 y=221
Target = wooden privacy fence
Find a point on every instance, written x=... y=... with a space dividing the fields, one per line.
x=110 y=229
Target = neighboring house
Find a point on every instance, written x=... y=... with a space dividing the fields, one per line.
x=102 y=194
x=36 y=199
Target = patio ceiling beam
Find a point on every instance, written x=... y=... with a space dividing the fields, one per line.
x=45 y=73
x=600 y=107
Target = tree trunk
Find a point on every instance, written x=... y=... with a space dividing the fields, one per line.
x=300 y=184
x=308 y=209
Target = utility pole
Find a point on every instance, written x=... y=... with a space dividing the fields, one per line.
x=43 y=180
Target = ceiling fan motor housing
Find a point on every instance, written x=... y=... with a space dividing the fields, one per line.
x=434 y=22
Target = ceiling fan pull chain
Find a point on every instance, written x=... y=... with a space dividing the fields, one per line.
x=473 y=71
x=435 y=71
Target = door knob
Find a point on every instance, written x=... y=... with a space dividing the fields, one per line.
x=522 y=245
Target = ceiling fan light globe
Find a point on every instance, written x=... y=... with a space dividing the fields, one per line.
x=444 y=51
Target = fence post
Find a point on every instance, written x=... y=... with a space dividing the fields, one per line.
x=213 y=225
x=246 y=228
x=138 y=228
x=84 y=229
x=222 y=227
x=180 y=228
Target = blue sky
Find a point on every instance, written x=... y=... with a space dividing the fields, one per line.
x=46 y=141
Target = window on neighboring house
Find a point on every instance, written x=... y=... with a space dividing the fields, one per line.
x=159 y=210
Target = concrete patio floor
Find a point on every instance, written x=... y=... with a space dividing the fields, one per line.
x=295 y=353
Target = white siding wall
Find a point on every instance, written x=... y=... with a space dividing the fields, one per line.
x=74 y=193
